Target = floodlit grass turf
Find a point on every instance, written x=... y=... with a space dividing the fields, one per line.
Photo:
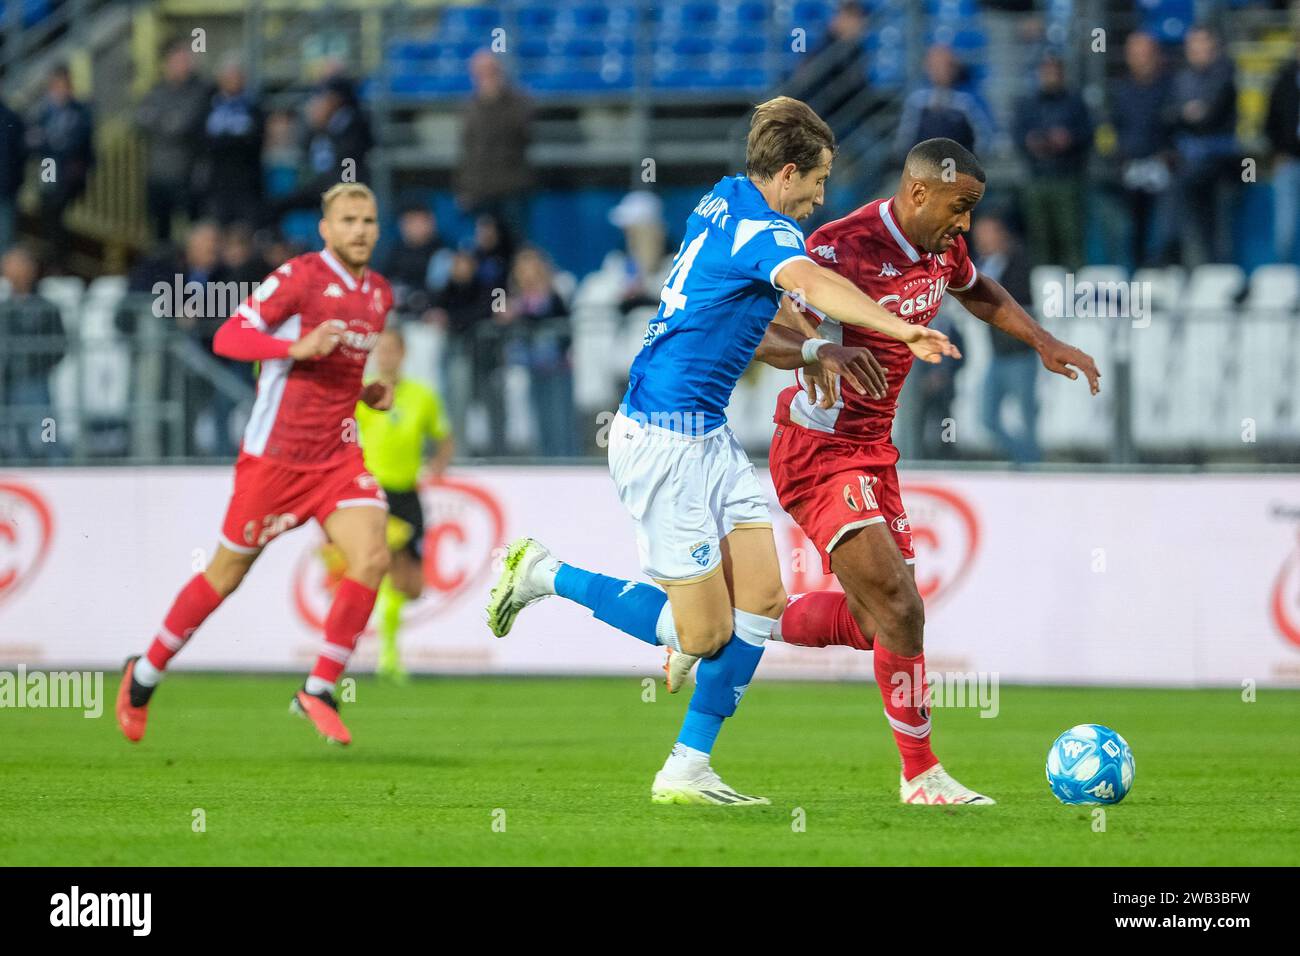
x=570 y=762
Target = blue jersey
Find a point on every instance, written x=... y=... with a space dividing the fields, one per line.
x=715 y=305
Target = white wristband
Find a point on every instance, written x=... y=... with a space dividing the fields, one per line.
x=810 y=349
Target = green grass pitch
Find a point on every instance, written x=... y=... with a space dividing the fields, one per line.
x=557 y=771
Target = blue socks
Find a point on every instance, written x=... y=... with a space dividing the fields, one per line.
x=632 y=608
x=721 y=681
x=637 y=609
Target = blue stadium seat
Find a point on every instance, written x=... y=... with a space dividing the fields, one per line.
x=537 y=18
x=583 y=47
x=686 y=45
x=473 y=22
x=746 y=45
x=413 y=51
x=533 y=47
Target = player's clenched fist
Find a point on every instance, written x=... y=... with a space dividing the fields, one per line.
x=930 y=345
x=378 y=395
x=319 y=342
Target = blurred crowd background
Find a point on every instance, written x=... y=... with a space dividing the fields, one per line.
x=536 y=161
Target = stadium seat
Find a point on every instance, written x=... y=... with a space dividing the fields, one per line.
x=1070 y=416
x=468 y=22
x=1165 y=286
x=1046 y=282
x=1213 y=286
x=1274 y=287
x=109 y=289
x=537 y=18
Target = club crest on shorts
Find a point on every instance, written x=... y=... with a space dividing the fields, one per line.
x=902 y=525
x=864 y=487
x=700 y=552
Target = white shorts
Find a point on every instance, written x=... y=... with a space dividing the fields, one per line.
x=685 y=494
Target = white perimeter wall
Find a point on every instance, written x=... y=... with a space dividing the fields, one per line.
x=1178 y=580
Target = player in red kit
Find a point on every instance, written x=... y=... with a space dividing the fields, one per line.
x=311 y=324
x=832 y=459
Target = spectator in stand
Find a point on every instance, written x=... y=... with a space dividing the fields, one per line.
x=31 y=344
x=472 y=356
x=941 y=108
x=338 y=141
x=644 y=265
x=936 y=387
x=1139 y=104
x=240 y=260
x=1282 y=127
x=493 y=174
x=229 y=178
x=1054 y=135
x=171 y=116
x=13 y=159
x=201 y=263
x=493 y=246
x=835 y=72
x=540 y=319
x=62 y=131
x=1013 y=369
x=1204 y=108
x=418 y=262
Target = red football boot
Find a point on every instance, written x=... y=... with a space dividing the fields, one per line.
x=130 y=717
x=323 y=712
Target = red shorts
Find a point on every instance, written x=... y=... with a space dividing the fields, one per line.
x=270 y=499
x=832 y=487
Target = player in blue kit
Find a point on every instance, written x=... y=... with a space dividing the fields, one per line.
x=680 y=472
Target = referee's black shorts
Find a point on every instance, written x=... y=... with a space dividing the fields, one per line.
x=405 y=505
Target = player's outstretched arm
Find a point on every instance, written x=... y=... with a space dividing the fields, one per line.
x=237 y=339
x=824 y=361
x=832 y=294
x=989 y=302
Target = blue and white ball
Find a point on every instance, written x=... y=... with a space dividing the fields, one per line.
x=1090 y=764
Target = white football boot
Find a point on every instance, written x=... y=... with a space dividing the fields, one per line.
x=677 y=667
x=701 y=787
x=935 y=787
x=527 y=577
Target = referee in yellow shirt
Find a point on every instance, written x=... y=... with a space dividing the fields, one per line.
x=394 y=443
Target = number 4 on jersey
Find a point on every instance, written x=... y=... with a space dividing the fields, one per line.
x=672 y=296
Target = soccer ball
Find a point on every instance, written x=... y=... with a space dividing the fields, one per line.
x=1090 y=764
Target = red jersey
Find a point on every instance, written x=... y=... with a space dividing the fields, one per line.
x=301 y=416
x=868 y=248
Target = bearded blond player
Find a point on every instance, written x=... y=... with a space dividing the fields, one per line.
x=311 y=324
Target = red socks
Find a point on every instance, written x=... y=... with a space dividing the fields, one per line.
x=821 y=619
x=196 y=601
x=347 y=618
x=907 y=707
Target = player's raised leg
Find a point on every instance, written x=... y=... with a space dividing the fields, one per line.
x=872 y=569
x=358 y=531
x=199 y=598
x=724 y=620
x=811 y=619
x=530 y=572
